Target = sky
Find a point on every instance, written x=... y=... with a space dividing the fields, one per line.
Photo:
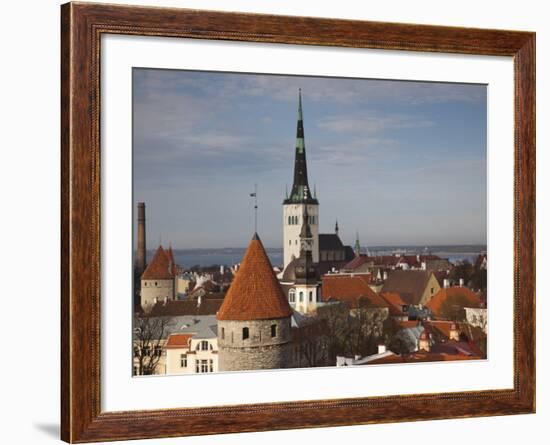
x=399 y=162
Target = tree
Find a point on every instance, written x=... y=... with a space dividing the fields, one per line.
x=149 y=333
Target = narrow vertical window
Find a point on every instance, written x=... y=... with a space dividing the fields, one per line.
x=246 y=333
x=274 y=330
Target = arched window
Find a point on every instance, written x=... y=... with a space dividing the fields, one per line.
x=246 y=334
x=289 y=220
x=292 y=295
x=301 y=296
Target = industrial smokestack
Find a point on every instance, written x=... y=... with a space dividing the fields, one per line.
x=141 y=256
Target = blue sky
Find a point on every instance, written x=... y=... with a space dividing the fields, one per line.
x=402 y=162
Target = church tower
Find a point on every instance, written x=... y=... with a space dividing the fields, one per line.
x=294 y=206
x=307 y=292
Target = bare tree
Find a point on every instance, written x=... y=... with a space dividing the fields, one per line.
x=149 y=333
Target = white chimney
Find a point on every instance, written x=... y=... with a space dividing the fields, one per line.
x=446 y=283
x=381 y=349
x=461 y=282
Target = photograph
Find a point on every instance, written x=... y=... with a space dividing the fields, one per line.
x=284 y=221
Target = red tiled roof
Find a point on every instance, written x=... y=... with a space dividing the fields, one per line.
x=468 y=297
x=410 y=284
x=178 y=340
x=422 y=356
x=358 y=261
x=395 y=302
x=170 y=255
x=255 y=293
x=350 y=288
x=159 y=267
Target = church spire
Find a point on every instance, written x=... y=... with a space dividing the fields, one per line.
x=357 y=247
x=300 y=192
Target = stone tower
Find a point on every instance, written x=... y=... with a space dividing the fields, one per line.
x=306 y=285
x=158 y=280
x=141 y=254
x=300 y=197
x=254 y=320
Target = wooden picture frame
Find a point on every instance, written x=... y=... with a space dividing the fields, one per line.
x=82 y=26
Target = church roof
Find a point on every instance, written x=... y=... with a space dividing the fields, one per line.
x=160 y=267
x=330 y=241
x=255 y=293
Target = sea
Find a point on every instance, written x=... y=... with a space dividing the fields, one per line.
x=232 y=255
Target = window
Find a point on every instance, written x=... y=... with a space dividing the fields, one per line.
x=289 y=220
x=310 y=296
x=290 y=242
x=156 y=284
x=301 y=297
x=197 y=367
x=223 y=333
x=204 y=365
x=211 y=363
x=274 y=330
x=183 y=361
x=292 y=296
x=432 y=290
x=204 y=345
x=245 y=333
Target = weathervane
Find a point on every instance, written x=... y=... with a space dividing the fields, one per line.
x=255 y=196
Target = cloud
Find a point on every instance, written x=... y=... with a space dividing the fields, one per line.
x=372 y=123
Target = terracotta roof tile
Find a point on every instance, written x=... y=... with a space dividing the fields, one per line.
x=439 y=298
x=178 y=341
x=159 y=267
x=255 y=293
x=350 y=288
x=395 y=302
x=409 y=283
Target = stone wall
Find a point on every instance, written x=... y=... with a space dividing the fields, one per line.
x=259 y=351
x=152 y=290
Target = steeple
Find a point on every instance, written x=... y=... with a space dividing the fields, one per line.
x=357 y=246
x=305 y=268
x=336 y=229
x=300 y=188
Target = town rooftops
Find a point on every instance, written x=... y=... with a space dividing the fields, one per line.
x=395 y=303
x=460 y=295
x=255 y=293
x=351 y=288
x=410 y=284
x=178 y=341
x=160 y=267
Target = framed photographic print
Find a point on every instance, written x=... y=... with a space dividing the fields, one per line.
x=276 y=222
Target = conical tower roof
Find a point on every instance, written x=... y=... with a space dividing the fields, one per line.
x=255 y=293
x=159 y=268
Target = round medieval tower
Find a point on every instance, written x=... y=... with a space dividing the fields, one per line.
x=254 y=320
